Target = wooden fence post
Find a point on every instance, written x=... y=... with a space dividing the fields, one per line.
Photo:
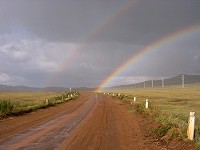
x=191 y=124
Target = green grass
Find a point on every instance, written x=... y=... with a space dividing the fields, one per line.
x=20 y=103
x=169 y=105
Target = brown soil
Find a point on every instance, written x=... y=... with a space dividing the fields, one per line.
x=109 y=126
x=16 y=124
x=90 y=122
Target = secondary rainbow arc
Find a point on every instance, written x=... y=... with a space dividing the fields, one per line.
x=93 y=33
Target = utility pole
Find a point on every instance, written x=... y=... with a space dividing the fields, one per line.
x=183 y=81
x=152 y=83
x=163 y=84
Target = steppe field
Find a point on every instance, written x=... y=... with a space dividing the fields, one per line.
x=170 y=105
x=100 y=121
x=12 y=103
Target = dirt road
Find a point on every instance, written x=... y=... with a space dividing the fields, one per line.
x=90 y=122
x=109 y=126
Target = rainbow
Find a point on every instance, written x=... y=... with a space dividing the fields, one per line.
x=154 y=45
x=93 y=33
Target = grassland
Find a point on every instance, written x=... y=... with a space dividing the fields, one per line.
x=170 y=105
x=19 y=103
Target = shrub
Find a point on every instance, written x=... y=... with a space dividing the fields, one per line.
x=6 y=107
x=140 y=108
x=162 y=130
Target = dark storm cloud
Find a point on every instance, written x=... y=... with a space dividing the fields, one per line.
x=149 y=20
x=37 y=36
x=56 y=20
x=72 y=20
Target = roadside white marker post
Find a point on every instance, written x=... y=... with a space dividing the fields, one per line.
x=146 y=104
x=134 y=99
x=47 y=101
x=191 y=124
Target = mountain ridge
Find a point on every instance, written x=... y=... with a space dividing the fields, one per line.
x=175 y=80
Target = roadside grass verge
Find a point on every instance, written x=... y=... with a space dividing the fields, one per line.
x=170 y=106
x=20 y=103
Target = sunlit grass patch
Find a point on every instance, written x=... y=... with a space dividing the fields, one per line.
x=20 y=103
x=170 y=106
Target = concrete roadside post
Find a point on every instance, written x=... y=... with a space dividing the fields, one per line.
x=134 y=98
x=47 y=101
x=147 y=104
x=191 y=125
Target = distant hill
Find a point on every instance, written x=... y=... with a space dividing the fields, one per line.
x=176 y=80
x=5 y=88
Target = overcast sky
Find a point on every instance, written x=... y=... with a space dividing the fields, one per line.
x=76 y=43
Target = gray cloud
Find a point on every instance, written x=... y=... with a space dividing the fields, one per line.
x=36 y=37
x=73 y=20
